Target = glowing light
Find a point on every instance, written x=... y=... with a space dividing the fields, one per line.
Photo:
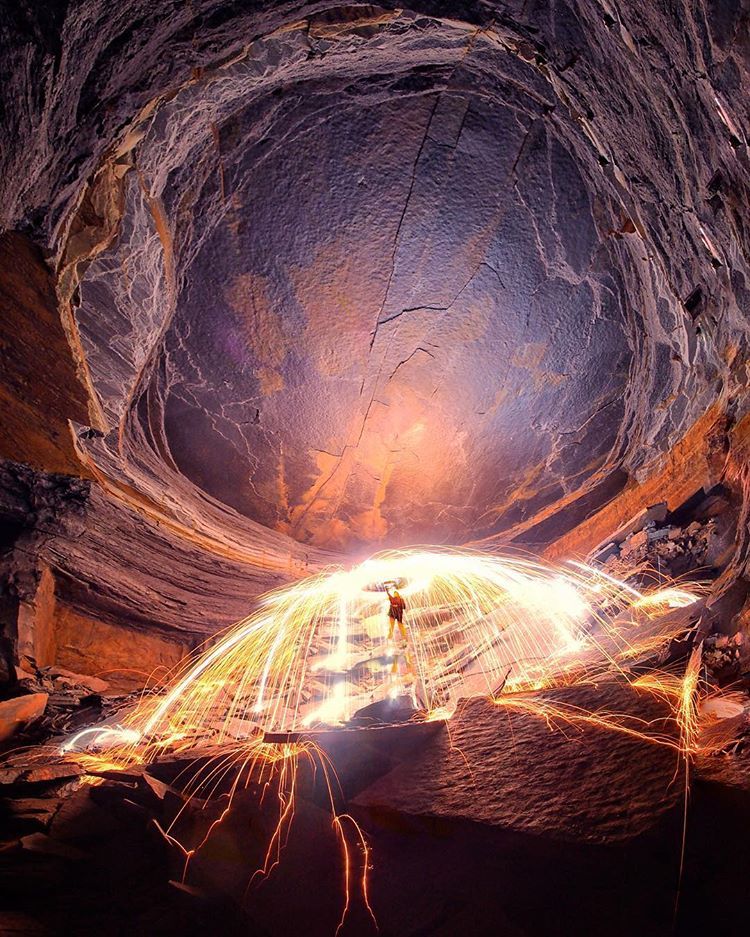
x=316 y=651
x=665 y=599
x=101 y=737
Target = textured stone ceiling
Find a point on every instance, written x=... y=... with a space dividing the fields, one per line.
x=375 y=342
x=342 y=276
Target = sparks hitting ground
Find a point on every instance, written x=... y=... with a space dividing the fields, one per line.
x=316 y=651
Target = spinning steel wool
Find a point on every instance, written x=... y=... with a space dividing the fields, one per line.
x=315 y=652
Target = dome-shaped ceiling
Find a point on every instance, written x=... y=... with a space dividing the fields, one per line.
x=372 y=276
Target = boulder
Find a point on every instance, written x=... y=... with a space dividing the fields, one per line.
x=18 y=712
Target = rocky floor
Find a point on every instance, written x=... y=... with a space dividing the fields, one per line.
x=559 y=830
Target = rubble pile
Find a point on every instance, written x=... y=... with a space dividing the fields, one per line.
x=673 y=550
x=672 y=544
x=58 y=826
x=727 y=657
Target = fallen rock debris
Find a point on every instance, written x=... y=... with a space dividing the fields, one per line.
x=673 y=544
x=20 y=711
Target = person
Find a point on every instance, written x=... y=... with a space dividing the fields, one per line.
x=396 y=609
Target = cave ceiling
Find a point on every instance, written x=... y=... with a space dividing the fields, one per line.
x=285 y=283
x=375 y=341
x=364 y=276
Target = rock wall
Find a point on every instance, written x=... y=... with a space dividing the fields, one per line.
x=39 y=388
x=125 y=658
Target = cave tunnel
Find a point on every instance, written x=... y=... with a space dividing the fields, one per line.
x=306 y=302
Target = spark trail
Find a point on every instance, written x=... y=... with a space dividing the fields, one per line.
x=312 y=653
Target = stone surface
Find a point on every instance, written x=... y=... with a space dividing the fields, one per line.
x=36 y=624
x=516 y=769
x=39 y=388
x=124 y=658
x=64 y=678
x=113 y=564
x=18 y=712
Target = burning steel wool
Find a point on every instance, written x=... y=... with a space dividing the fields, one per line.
x=317 y=651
